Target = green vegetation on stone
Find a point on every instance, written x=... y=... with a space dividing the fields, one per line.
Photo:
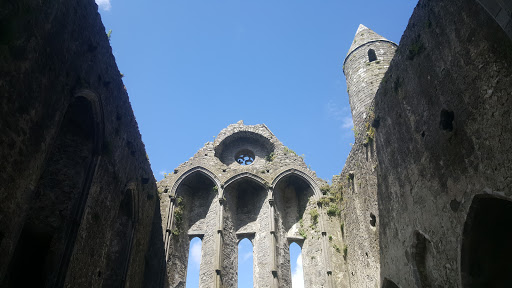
x=270 y=157
x=314 y=216
x=325 y=189
x=333 y=210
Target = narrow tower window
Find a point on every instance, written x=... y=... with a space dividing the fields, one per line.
x=194 y=263
x=371 y=55
x=296 y=265
x=245 y=263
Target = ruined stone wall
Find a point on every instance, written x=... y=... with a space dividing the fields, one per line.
x=444 y=138
x=78 y=196
x=273 y=202
x=360 y=214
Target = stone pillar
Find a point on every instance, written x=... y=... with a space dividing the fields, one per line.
x=325 y=248
x=219 y=241
x=170 y=221
x=273 y=239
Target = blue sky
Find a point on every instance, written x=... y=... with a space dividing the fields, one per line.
x=192 y=67
x=245 y=264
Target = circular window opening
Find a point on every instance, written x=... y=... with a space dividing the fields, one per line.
x=244 y=157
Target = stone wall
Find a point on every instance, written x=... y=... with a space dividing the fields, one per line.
x=78 y=196
x=273 y=201
x=360 y=215
x=443 y=144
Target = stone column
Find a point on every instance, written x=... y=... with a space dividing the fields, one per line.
x=219 y=240
x=168 y=226
x=325 y=249
x=273 y=239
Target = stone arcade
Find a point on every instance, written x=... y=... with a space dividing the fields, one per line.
x=246 y=185
x=424 y=199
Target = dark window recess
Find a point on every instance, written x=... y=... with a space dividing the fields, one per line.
x=371 y=55
x=446 y=120
x=30 y=255
x=373 y=220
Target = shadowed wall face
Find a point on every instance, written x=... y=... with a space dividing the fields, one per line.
x=442 y=141
x=46 y=231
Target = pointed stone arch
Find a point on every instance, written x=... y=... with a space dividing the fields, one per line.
x=246 y=176
x=301 y=174
x=61 y=195
x=192 y=211
x=197 y=169
x=299 y=218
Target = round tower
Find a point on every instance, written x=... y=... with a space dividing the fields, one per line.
x=367 y=60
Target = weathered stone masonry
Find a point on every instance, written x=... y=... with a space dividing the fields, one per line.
x=365 y=65
x=272 y=202
x=443 y=149
x=77 y=193
x=426 y=188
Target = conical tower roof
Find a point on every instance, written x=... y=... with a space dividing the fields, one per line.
x=364 y=35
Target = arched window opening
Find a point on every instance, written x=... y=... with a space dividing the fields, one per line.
x=194 y=263
x=292 y=194
x=245 y=263
x=296 y=266
x=48 y=235
x=187 y=218
x=486 y=249
x=371 y=55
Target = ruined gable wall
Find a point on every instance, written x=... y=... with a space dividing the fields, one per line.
x=49 y=51
x=321 y=251
x=453 y=58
